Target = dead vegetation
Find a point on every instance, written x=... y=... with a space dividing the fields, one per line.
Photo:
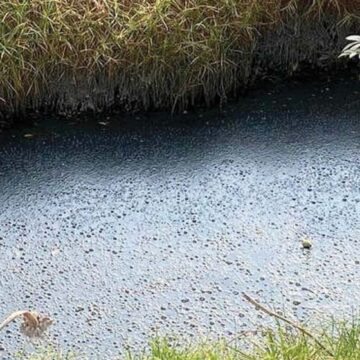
x=33 y=324
x=69 y=56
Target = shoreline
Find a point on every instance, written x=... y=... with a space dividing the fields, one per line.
x=157 y=64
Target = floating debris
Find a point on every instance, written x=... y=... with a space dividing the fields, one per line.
x=28 y=136
x=34 y=325
x=306 y=243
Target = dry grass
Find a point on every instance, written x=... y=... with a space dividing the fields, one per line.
x=156 y=53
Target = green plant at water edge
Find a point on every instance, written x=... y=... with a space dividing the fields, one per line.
x=340 y=341
x=353 y=49
x=343 y=339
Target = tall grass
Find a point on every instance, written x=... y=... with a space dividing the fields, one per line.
x=80 y=54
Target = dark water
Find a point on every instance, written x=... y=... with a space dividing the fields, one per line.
x=155 y=225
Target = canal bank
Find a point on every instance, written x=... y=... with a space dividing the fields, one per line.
x=74 y=57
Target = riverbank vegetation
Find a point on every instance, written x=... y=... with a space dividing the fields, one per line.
x=341 y=340
x=71 y=56
x=353 y=49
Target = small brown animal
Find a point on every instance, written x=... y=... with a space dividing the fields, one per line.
x=33 y=324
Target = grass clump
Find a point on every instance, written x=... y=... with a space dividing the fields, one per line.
x=76 y=55
x=342 y=339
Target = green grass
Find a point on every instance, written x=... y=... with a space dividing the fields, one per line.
x=157 y=53
x=341 y=339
